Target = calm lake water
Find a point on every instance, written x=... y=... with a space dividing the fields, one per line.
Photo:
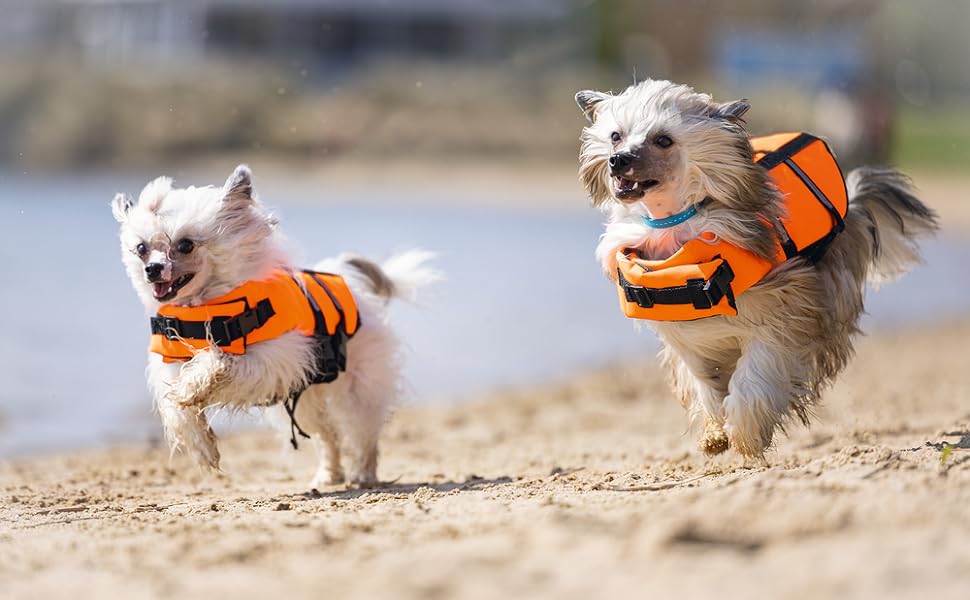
x=511 y=312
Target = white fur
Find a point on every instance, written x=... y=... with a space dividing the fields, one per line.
x=235 y=241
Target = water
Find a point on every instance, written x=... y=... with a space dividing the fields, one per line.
x=524 y=301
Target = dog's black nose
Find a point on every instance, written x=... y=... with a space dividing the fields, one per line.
x=620 y=161
x=154 y=271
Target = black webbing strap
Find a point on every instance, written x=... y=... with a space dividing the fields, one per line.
x=822 y=198
x=290 y=406
x=814 y=252
x=797 y=144
x=697 y=292
x=331 y=348
x=223 y=331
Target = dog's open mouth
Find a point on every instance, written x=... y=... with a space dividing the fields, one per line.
x=166 y=290
x=626 y=189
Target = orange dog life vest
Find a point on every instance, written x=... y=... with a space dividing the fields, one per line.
x=705 y=276
x=318 y=305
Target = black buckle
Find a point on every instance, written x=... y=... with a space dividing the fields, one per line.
x=167 y=327
x=707 y=294
x=219 y=331
x=226 y=331
x=248 y=321
x=637 y=295
x=642 y=296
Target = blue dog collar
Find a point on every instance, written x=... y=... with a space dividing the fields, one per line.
x=672 y=219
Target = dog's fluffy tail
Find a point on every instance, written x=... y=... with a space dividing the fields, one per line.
x=882 y=203
x=400 y=276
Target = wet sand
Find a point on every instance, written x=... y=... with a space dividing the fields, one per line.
x=583 y=488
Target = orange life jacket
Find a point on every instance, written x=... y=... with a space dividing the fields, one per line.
x=705 y=276
x=318 y=305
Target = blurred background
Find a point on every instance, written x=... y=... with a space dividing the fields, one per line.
x=375 y=125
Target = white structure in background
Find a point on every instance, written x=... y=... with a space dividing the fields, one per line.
x=118 y=31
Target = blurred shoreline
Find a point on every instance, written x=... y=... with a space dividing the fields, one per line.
x=520 y=184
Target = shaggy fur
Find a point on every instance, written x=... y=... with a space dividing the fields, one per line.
x=740 y=378
x=233 y=239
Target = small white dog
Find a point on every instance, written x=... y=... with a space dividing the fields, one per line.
x=670 y=166
x=191 y=249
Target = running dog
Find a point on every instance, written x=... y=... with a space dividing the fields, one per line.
x=236 y=325
x=669 y=165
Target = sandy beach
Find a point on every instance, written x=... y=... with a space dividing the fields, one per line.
x=584 y=488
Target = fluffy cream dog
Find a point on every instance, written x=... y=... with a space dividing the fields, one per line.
x=184 y=247
x=659 y=148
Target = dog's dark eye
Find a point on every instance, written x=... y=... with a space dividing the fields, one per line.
x=141 y=249
x=615 y=137
x=664 y=141
x=185 y=246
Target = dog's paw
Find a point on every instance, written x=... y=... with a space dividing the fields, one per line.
x=204 y=449
x=714 y=440
x=208 y=458
x=200 y=380
x=363 y=480
x=327 y=479
x=364 y=484
x=747 y=443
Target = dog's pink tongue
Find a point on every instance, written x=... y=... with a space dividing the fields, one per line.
x=162 y=288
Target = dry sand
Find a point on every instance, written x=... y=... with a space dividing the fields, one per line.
x=588 y=488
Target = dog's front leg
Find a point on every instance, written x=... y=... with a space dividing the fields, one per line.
x=186 y=428
x=759 y=396
x=201 y=379
x=701 y=388
x=267 y=373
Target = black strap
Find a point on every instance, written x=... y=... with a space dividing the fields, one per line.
x=223 y=331
x=331 y=348
x=822 y=198
x=697 y=292
x=797 y=144
x=290 y=406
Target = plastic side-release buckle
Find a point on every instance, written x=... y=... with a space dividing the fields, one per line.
x=168 y=327
x=707 y=294
x=638 y=295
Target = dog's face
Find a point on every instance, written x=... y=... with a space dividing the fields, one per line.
x=184 y=246
x=659 y=146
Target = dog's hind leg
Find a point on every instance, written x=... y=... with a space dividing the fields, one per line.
x=359 y=412
x=313 y=416
x=759 y=398
x=360 y=415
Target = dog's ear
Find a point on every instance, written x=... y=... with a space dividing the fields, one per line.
x=239 y=186
x=731 y=111
x=120 y=206
x=587 y=101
